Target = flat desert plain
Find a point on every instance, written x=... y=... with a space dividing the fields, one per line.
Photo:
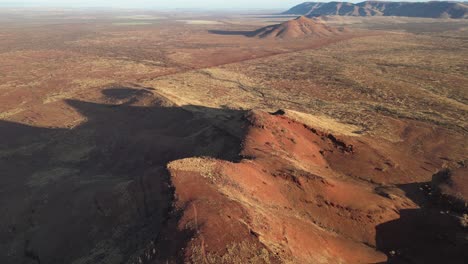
x=184 y=137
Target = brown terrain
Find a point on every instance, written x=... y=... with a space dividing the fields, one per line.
x=299 y=27
x=153 y=137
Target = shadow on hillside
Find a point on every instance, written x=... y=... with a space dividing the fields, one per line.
x=101 y=190
x=233 y=33
x=423 y=235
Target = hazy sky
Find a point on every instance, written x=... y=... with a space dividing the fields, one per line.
x=159 y=3
x=269 y=4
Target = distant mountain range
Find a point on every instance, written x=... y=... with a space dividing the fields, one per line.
x=381 y=8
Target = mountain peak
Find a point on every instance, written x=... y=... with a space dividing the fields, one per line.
x=297 y=28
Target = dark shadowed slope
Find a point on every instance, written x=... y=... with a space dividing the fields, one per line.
x=100 y=192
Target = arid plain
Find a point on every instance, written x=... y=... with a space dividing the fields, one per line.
x=152 y=137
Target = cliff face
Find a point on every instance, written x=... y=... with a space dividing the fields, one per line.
x=377 y=8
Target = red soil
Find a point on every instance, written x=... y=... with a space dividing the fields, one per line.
x=291 y=199
x=299 y=27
